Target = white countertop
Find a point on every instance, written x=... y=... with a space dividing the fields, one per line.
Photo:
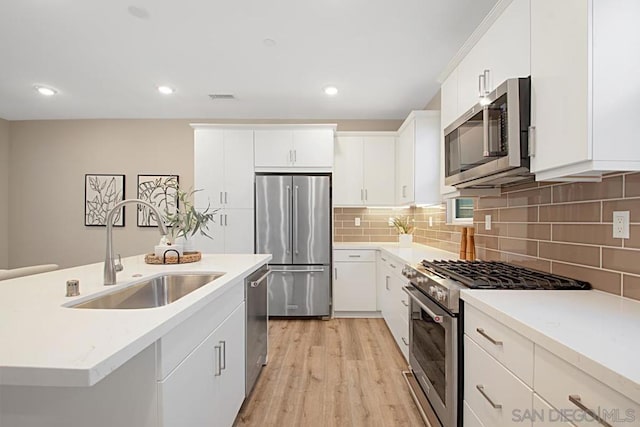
x=44 y=343
x=597 y=332
x=412 y=255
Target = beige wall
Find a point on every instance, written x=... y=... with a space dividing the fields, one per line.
x=50 y=158
x=4 y=193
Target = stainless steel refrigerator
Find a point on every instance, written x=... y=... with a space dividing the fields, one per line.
x=293 y=223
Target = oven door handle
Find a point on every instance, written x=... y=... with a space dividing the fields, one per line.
x=436 y=318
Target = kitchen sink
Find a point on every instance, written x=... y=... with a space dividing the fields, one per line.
x=154 y=292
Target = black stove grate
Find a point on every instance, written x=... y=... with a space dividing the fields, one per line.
x=499 y=275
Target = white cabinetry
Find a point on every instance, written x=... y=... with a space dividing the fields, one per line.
x=207 y=388
x=418 y=159
x=223 y=172
x=282 y=148
x=364 y=172
x=583 y=77
x=393 y=301
x=354 y=281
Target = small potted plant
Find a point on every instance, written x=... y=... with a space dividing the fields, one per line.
x=404 y=228
x=186 y=220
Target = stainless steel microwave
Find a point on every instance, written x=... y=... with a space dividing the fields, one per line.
x=488 y=146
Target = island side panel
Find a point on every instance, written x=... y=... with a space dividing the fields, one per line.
x=126 y=397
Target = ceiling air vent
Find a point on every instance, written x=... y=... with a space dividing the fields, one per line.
x=215 y=96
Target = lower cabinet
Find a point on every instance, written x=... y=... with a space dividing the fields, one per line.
x=207 y=388
x=354 y=281
x=394 y=301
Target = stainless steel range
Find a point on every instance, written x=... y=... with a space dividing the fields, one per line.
x=435 y=330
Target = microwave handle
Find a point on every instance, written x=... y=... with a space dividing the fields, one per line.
x=486 y=135
x=481 y=86
x=532 y=141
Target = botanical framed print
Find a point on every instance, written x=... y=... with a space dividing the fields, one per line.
x=101 y=193
x=160 y=191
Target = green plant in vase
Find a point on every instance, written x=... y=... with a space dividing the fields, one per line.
x=403 y=225
x=186 y=220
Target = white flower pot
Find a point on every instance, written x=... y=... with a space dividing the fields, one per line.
x=187 y=244
x=405 y=240
x=160 y=250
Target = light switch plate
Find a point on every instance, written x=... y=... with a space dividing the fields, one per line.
x=621 y=224
x=357 y=221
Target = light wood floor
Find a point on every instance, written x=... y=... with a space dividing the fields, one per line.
x=340 y=372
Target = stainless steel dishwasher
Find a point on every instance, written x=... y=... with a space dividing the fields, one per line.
x=256 y=325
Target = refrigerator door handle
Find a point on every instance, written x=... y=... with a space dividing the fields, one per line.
x=288 y=219
x=295 y=220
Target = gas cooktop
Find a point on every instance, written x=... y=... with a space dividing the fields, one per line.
x=500 y=275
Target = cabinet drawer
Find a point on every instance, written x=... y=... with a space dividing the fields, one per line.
x=470 y=419
x=558 y=381
x=492 y=392
x=510 y=348
x=354 y=255
x=545 y=415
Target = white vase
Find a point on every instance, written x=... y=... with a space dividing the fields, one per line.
x=188 y=244
x=405 y=240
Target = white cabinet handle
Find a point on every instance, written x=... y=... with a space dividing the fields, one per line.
x=487 y=82
x=386 y=285
x=404 y=340
x=392 y=266
x=480 y=85
x=383 y=259
x=490 y=339
x=225 y=198
x=354 y=256
x=217 y=369
x=335 y=272
x=295 y=156
x=221 y=197
x=406 y=304
x=366 y=194
x=484 y=394
x=362 y=194
x=576 y=400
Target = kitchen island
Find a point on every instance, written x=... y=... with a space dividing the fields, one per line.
x=73 y=367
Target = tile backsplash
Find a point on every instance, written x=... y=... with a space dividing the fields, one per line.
x=562 y=228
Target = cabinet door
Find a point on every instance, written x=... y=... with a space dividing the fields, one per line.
x=215 y=244
x=354 y=286
x=238 y=169
x=379 y=170
x=559 y=82
x=273 y=148
x=469 y=69
x=449 y=99
x=347 y=171
x=313 y=148
x=231 y=391
x=405 y=165
x=238 y=231
x=208 y=167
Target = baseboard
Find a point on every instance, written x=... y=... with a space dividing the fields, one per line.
x=358 y=314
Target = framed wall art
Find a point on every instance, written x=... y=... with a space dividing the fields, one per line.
x=101 y=193
x=160 y=191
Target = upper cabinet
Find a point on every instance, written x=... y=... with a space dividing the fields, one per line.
x=290 y=148
x=501 y=53
x=584 y=84
x=418 y=159
x=364 y=173
x=223 y=167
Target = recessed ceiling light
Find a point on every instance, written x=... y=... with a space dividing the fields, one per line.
x=165 y=90
x=331 y=90
x=46 y=91
x=269 y=42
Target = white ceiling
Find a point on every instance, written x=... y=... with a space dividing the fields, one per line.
x=383 y=55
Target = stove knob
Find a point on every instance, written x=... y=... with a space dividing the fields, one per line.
x=422 y=280
x=433 y=290
x=441 y=295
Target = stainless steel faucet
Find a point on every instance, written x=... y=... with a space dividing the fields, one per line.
x=110 y=265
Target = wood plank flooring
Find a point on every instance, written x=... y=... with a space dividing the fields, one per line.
x=340 y=372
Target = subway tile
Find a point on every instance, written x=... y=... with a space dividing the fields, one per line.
x=528 y=231
x=536 y=196
x=479 y=215
x=631 y=205
x=592 y=234
x=577 y=212
x=337 y=238
x=356 y=239
x=354 y=211
x=602 y=280
x=379 y=238
x=631 y=286
x=632 y=185
x=519 y=246
x=348 y=218
x=624 y=260
x=488 y=242
x=521 y=214
x=634 y=236
x=530 y=262
x=497 y=229
x=491 y=202
x=518 y=187
x=609 y=188
x=350 y=232
x=585 y=255
x=490 y=255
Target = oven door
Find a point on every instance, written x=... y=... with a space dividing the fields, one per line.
x=433 y=354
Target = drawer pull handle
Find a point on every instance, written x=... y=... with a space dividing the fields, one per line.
x=575 y=399
x=406 y=304
x=405 y=341
x=482 y=392
x=354 y=256
x=484 y=334
x=383 y=259
x=393 y=266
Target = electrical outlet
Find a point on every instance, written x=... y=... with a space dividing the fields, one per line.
x=357 y=221
x=487 y=222
x=430 y=221
x=621 y=224
x=391 y=221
